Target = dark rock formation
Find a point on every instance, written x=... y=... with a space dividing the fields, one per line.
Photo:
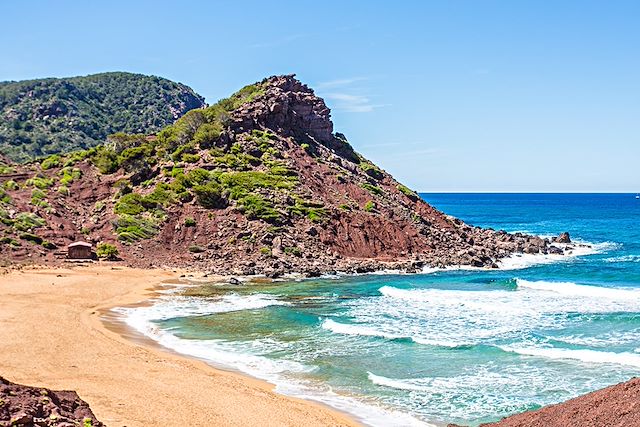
x=26 y=406
x=563 y=238
x=615 y=406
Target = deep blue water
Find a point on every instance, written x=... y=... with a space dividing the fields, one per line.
x=465 y=346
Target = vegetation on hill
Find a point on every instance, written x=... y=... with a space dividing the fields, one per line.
x=48 y=116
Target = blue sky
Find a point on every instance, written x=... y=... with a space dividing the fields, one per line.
x=446 y=95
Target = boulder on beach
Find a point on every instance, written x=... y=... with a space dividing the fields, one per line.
x=37 y=406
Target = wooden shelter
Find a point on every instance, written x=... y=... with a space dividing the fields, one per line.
x=79 y=250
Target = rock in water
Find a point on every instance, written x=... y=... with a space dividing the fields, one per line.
x=22 y=405
x=563 y=238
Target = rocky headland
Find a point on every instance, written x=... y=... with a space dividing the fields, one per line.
x=259 y=183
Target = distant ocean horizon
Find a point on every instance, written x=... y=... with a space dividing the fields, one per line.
x=457 y=345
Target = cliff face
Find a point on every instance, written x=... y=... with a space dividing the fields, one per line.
x=258 y=183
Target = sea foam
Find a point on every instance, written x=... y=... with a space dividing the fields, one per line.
x=283 y=373
x=572 y=289
x=583 y=355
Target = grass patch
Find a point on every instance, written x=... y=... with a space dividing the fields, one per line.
x=315 y=211
x=373 y=189
x=254 y=206
x=407 y=192
x=50 y=162
x=372 y=170
x=370 y=206
x=30 y=237
x=240 y=184
x=40 y=182
x=131 y=228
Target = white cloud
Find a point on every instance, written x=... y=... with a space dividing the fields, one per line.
x=339 y=82
x=352 y=103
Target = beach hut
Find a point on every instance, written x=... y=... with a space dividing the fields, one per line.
x=79 y=250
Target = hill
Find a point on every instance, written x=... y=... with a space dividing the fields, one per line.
x=258 y=183
x=48 y=116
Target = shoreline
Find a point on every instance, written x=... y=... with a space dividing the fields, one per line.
x=58 y=340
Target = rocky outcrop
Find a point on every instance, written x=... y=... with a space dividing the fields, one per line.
x=615 y=406
x=291 y=108
x=562 y=238
x=26 y=406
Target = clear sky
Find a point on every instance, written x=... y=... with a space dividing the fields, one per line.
x=446 y=95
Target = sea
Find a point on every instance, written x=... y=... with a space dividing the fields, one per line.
x=465 y=346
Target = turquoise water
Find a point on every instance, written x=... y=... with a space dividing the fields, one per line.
x=464 y=346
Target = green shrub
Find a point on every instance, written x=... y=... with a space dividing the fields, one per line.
x=182 y=150
x=25 y=221
x=105 y=160
x=313 y=210
x=197 y=176
x=242 y=183
x=5 y=170
x=77 y=156
x=306 y=147
x=64 y=190
x=40 y=182
x=30 y=237
x=407 y=192
x=370 y=206
x=48 y=245
x=210 y=195
x=293 y=251
x=162 y=195
x=38 y=198
x=373 y=189
x=69 y=175
x=254 y=206
x=52 y=161
x=196 y=249
x=131 y=228
x=130 y=204
x=371 y=170
x=107 y=251
x=207 y=134
x=265 y=251
x=189 y=222
x=190 y=158
x=4 y=197
x=10 y=242
x=240 y=161
x=11 y=185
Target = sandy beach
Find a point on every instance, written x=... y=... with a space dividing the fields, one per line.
x=51 y=335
